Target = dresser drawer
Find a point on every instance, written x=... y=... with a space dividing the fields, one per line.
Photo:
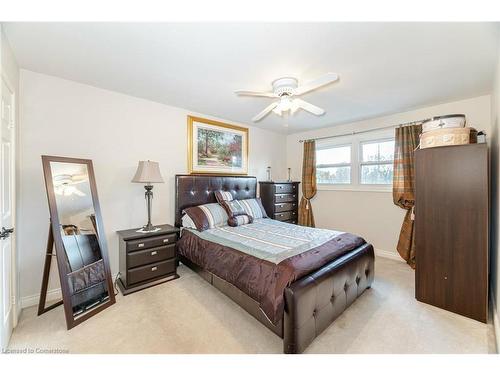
x=152 y=255
x=282 y=198
x=150 y=271
x=283 y=216
x=146 y=243
x=281 y=207
x=285 y=188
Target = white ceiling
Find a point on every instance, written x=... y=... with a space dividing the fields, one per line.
x=384 y=67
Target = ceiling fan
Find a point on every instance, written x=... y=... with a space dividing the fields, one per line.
x=64 y=184
x=286 y=89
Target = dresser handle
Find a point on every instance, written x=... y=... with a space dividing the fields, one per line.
x=154 y=252
x=140 y=245
x=165 y=240
x=154 y=269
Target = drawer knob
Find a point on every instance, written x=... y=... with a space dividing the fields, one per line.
x=140 y=245
x=165 y=240
x=154 y=252
x=154 y=269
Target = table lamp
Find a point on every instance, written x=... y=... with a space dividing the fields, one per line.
x=148 y=172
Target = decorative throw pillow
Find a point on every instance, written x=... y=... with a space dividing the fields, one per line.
x=240 y=220
x=233 y=208
x=223 y=196
x=253 y=207
x=207 y=216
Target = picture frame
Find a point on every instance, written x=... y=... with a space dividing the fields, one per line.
x=215 y=147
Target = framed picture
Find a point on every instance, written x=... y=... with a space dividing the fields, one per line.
x=216 y=148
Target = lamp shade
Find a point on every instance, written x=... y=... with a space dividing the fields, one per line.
x=148 y=172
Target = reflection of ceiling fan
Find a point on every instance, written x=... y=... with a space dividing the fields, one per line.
x=286 y=89
x=64 y=184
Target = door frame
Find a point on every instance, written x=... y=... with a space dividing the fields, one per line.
x=14 y=274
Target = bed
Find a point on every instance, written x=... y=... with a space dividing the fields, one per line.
x=296 y=294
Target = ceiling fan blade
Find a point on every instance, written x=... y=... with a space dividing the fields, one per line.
x=262 y=114
x=314 y=84
x=255 y=93
x=309 y=107
x=79 y=193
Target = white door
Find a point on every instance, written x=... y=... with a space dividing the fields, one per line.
x=6 y=213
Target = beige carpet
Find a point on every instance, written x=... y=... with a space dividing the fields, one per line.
x=190 y=316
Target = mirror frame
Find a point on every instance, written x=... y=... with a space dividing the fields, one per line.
x=71 y=320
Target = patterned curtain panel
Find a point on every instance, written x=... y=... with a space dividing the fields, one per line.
x=403 y=187
x=306 y=216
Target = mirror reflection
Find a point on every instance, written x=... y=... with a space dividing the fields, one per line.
x=85 y=266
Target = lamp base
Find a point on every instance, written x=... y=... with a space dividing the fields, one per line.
x=148 y=228
x=145 y=229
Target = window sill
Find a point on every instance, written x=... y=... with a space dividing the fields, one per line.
x=357 y=188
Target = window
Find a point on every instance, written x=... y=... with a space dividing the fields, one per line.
x=361 y=162
x=376 y=162
x=333 y=165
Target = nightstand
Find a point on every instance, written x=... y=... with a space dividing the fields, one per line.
x=147 y=259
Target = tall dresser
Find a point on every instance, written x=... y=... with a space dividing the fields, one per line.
x=280 y=200
x=451 y=228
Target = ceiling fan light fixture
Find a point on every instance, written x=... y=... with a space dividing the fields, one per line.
x=287 y=89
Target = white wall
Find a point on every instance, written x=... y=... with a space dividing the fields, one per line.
x=65 y=118
x=10 y=72
x=372 y=214
x=495 y=202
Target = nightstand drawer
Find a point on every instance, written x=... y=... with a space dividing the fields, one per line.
x=150 y=271
x=283 y=216
x=149 y=242
x=152 y=255
x=284 y=188
x=282 y=198
x=281 y=207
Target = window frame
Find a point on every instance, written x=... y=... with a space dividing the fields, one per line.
x=356 y=141
x=336 y=165
x=361 y=163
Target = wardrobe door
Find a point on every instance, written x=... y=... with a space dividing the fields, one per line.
x=431 y=222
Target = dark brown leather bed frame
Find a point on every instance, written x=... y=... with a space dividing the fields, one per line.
x=311 y=303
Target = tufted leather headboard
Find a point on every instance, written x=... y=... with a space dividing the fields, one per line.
x=193 y=190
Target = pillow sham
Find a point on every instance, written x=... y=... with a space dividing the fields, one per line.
x=207 y=216
x=239 y=220
x=187 y=222
x=223 y=196
x=253 y=207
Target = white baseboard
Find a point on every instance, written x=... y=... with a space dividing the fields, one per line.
x=52 y=295
x=389 y=254
x=496 y=321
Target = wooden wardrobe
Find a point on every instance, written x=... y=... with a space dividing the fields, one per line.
x=451 y=228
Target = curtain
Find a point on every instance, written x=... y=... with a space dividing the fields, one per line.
x=403 y=187
x=306 y=216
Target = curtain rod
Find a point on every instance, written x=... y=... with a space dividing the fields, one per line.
x=365 y=131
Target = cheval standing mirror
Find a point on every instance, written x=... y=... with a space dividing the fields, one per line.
x=77 y=232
